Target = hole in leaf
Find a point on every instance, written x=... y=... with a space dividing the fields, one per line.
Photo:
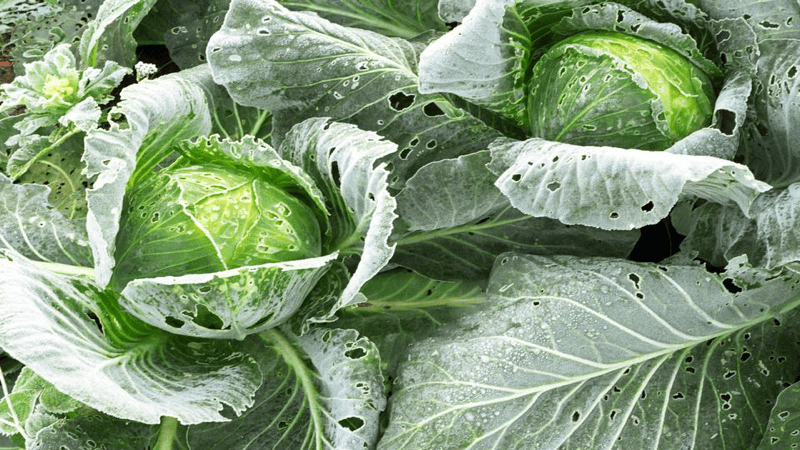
x=352 y=423
x=731 y=286
x=516 y=177
x=355 y=353
x=282 y=425
x=207 y=319
x=730 y=374
x=96 y=320
x=432 y=110
x=576 y=416
x=634 y=279
x=404 y=153
x=726 y=121
x=745 y=356
x=613 y=216
x=335 y=173
x=173 y=322
x=678 y=396
x=400 y=101
x=553 y=186
x=647 y=207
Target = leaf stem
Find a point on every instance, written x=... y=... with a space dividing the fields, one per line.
x=262 y=117
x=290 y=354
x=19 y=172
x=66 y=269
x=166 y=433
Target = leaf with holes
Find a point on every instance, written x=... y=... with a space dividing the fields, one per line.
x=613 y=188
x=600 y=352
x=75 y=336
x=720 y=233
x=347 y=74
x=321 y=391
x=457 y=221
x=783 y=429
x=35 y=229
x=344 y=163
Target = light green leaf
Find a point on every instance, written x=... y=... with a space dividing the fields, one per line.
x=602 y=353
x=347 y=74
x=719 y=233
x=343 y=161
x=73 y=334
x=158 y=114
x=33 y=228
x=321 y=391
x=783 y=429
x=225 y=305
x=398 y=18
x=612 y=188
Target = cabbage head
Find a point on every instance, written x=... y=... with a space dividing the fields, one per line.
x=622 y=90
x=202 y=219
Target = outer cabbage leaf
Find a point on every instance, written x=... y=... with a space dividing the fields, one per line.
x=322 y=391
x=225 y=305
x=109 y=36
x=157 y=114
x=399 y=18
x=350 y=75
x=88 y=429
x=602 y=353
x=769 y=237
x=73 y=334
x=783 y=429
x=33 y=228
x=402 y=306
x=612 y=188
x=768 y=147
x=35 y=27
x=343 y=161
x=456 y=221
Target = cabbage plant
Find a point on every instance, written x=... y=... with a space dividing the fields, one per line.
x=428 y=224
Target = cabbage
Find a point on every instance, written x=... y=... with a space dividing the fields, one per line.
x=618 y=89
x=215 y=219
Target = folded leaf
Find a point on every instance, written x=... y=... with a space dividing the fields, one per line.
x=73 y=334
x=612 y=188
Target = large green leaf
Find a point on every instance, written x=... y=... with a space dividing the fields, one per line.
x=613 y=188
x=400 y=18
x=321 y=391
x=719 y=233
x=402 y=306
x=347 y=74
x=783 y=429
x=75 y=336
x=458 y=221
x=32 y=227
x=343 y=161
x=602 y=353
x=157 y=115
